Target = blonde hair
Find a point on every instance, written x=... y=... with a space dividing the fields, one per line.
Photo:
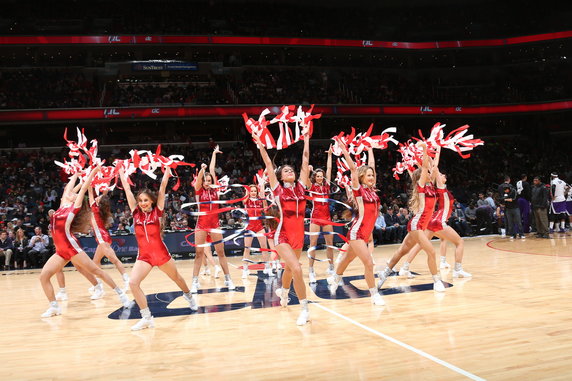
x=413 y=194
x=362 y=171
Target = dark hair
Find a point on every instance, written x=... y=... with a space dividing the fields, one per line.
x=105 y=211
x=537 y=178
x=278 y=171
x=506 y=178
x=82 y=220
x=523 y=176
x=272 y=223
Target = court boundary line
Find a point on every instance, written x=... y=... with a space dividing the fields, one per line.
x=523 y=252
x=402 y=344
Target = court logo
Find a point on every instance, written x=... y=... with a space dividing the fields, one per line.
x=264 y=297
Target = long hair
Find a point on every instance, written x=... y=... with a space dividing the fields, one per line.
x=272 y=223
x=105 y=211
x=413 y=194
x=153 y=196
x=82 y=220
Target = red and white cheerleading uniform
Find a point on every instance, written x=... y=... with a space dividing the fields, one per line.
x=98 y=226
x=427 y=199
x=210 y=221
x=367 y=202
x=292 y=206
x=443 y=212
x=152 y=249
x=254 y=208
x=67 y=245
x=320 y=209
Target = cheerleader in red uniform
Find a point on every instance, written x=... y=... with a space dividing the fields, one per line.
x=422 y=203
x=254 y=206
x=321 y=214
x=100 y=217
x=438 y=227
x=147 y=210
x=359 y=233
x=204 y=193
x=289 y=195
x=71 y=217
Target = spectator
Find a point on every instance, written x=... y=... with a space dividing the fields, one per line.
x=471 y=213
x=380 y=232
x=540 y=202
x=6 y=249
x=507 y=194
x=21 y=249
x=458 y=221
x=39 y=252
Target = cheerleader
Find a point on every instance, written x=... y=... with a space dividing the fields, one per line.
x=100 y=215
x=320 y=216
x=71 y=217
x=422 y=203
x=206 y=223
x=289 y=235
x=147 y=210
x=367 y=204
x=254 y=206
x=438 y=227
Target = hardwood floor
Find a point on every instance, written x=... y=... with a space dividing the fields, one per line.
x=511 y=321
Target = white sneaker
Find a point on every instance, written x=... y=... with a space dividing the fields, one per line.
x=382 y=278
x=126 y=285
x=229 y=284
x=439 y=286
x=195 y=286
x=52 y=311
x=303 y=318
x=333 y=284
x=98 y=292
x=245 y=273
x=283 y=295
x=444 y=265
x=62 y=295
x=125 y=300
x=406 y=273
x=91 y=290
x=192 y=302
x=312 y=276
x=377 y=300
x=143 y=323
x=217 y=270
x=461 y=274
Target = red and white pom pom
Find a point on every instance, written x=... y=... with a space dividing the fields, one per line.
x=356 y=144
x=302 y=121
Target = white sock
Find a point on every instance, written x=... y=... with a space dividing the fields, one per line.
x=195 y=279
x=387 y=271
x=188 y=294
x=54 y=304
x=125 y=277
x=551 y=224
x=458 y=266
x=443 y=259
x=331 y=266
x=146 y=313
x=373 y=291
x=118 y=290
x=227 y=277
x=436 y=278
x=562 y=225
x=304 y=304
x=63 y=290
x=311 y=269
x=406 y=266
x=98 y=281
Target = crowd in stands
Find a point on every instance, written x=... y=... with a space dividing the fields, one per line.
x=27 y=88
x=30 y=185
